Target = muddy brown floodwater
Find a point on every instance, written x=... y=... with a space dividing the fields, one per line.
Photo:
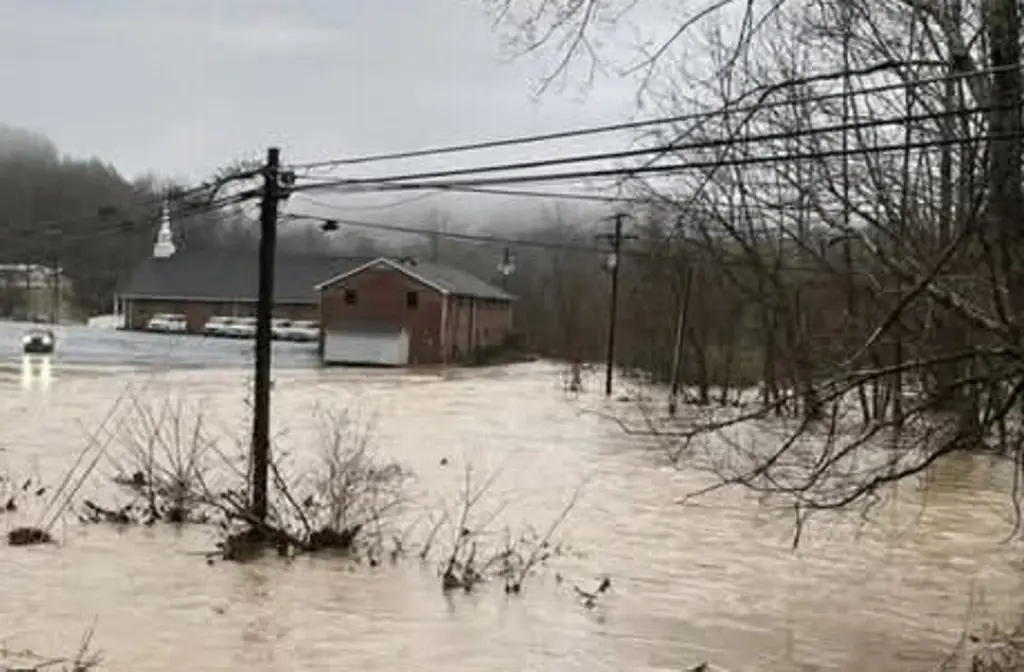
x=715 y=581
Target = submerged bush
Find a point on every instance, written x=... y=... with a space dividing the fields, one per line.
x=333 y=492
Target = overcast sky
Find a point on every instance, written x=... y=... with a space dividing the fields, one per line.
x=180 y=87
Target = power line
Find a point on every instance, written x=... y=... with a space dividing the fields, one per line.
x=568 y=247
x=44 y=237
x=371 y=184
x=483 y=191
x=125 y=226
x=385 y=206
x=698 y=145
x=779 y=209
x=725 y=109
x=106 y=212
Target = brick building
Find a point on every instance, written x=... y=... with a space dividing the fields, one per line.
x=371 y=311
x=400 y=311
x=202 y=283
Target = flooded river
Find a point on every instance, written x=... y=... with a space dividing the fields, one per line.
x=715 y=580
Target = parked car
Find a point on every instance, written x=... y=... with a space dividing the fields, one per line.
x=217 y=325
x=241 y=327
x=167 y=323
x=301 y=330
x=278 y=328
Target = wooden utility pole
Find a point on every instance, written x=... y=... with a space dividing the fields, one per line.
x=677 y=356
x=264 y=313
x=616 y=239
x=55 y=277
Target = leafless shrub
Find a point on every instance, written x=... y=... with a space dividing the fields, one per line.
x=992 y=649
x=477 y=552
x=165 y=461
x=14 y=492
x=346 y=498
x=345 y=501
x=24 y=660
x=62 y=497
x=999 y=650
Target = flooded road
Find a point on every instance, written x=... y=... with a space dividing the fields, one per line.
x=716 y=580
x=81 y=347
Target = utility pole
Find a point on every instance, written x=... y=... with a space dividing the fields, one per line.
x=614 y=261
x=264 y=312
x=677 y=356
x=56 y=288
x=55 y=275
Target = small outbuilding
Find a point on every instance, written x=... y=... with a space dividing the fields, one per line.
x=396 y=312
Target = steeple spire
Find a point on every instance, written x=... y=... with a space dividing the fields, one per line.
x=164 y=246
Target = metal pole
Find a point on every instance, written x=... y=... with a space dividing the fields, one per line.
x=264 y=312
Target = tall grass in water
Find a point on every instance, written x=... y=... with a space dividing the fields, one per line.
x=168 y=458
x=24 y=660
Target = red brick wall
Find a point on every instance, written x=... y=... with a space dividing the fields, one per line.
x=494 y=319
x=139 y=311
x=381 y=299
x=478 y=323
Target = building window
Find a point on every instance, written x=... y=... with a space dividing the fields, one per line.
x=350 y=297
x=412 y=300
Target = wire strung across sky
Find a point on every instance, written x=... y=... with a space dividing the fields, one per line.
x=691 y=146
x=734 y=107
x=364 y=185
x=46 y=236
x=439 y=188
x=177 y=204
x=822 y=267
x=435 y=181
x=492 y=186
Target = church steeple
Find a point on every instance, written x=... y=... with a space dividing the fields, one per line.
x=164 y=246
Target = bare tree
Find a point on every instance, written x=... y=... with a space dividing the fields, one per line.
x=860 y=168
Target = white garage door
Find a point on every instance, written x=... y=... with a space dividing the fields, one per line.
x=382 y=348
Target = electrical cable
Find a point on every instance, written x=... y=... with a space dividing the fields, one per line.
x=765 y=208
x=387 y=206
x=705 y=144
x=124 y=227
x=27 y=241
x=370 y=184
x=106 y=212
x=483 y=191
x=578 y=248
x=730 y=107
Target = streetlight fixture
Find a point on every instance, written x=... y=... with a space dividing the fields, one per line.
x=507 y=266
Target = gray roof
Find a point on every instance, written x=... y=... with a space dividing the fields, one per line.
x=220 y=274
x=446 y=278
x=458 y=282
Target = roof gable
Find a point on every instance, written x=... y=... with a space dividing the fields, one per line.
x=379 y=262
x=441 y=278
